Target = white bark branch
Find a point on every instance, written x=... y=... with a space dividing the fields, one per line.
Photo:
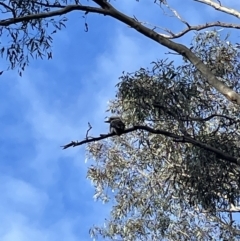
x=221 y=8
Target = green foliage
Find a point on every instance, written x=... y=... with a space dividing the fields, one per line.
x=167 y=189
x=32 y=38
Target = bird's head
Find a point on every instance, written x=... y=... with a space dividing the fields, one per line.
x=110 y=119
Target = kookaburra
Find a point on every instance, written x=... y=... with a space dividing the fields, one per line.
x=116 y=125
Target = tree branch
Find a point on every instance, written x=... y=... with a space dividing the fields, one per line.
x=185 y=117
x=184 y=139
x=200 y=27
x=182 y=50
x=218 y=7
x=109 y=10
x=9 y=8
x=59 y=12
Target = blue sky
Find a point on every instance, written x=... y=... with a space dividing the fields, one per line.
x=44 y=191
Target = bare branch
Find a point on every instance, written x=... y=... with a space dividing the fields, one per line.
x=59 y=12
x=9 y=8
x=90 y=127
x=219 y=7
x=201 y=27
x=176 y=14
x=189 y=27
x=187 y=118
x=178 y=138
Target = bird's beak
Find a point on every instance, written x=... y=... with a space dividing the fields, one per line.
x=107 y=121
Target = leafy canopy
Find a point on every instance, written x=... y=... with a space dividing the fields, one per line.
x=167 y=189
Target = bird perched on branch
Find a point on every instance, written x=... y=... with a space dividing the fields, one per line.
x=116 y=125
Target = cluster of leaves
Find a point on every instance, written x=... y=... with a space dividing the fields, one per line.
x=28 y=38
x=167 y=189
x=222 y=57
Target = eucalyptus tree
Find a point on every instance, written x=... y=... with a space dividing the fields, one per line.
x=174 y=173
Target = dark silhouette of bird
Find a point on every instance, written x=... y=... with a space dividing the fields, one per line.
x=116 y=125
